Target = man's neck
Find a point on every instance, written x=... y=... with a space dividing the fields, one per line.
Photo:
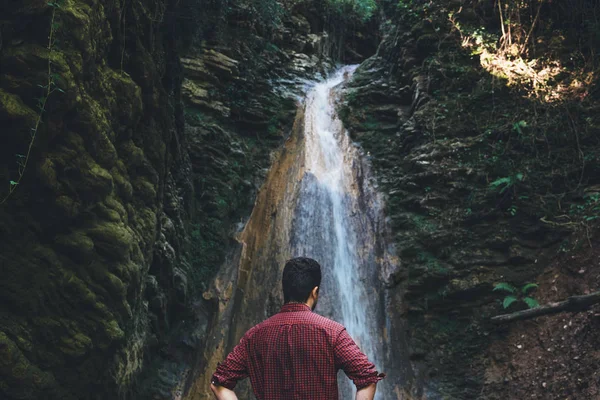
x=309 y=303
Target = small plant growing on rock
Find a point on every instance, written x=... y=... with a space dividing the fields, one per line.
x=516 y=295
x=507 y=182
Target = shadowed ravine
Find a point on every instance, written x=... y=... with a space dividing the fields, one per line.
x=318 y=201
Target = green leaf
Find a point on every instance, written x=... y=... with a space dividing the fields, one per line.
x=506 y=287
x=501 y=181
x=531 y=302
x=529 y=286
x=508 y=300
x=519 y=176
x=13 y=183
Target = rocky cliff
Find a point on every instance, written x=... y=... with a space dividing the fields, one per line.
x=101 y=205
x=489 y=180
x=137 y=134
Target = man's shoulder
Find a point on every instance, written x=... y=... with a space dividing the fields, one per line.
x=326 y=322
x=300 y=318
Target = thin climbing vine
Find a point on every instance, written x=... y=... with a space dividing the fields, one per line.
x=47 y=90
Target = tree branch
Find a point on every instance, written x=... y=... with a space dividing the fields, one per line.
x=572 y=304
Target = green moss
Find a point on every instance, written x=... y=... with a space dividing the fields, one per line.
x=431 y=262
x=145 y=190
x=12 y=107
x=15 y=369
x=104 y=150
x=98 y=178
x=112 y=330
x=113 y=240
x=123 y=186
x=114 y=285
x=76 y=346
x=76 y=15
x=107 y=213
x=113 y=203
x=47 y=174
x=422 y=223
x=133 y=155
x=76 y=243
x=69 y=207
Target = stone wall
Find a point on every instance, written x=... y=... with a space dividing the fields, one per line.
x=100 y=209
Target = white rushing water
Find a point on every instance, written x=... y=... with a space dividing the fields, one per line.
x=336 y=222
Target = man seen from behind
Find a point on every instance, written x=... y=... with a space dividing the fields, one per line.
x=296 y=354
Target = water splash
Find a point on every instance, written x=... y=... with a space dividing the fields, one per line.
x=336 y=222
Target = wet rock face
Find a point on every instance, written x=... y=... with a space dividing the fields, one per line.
x=130 y=195
x=455 y=235
x=97 y=218
x=240 y=101
x=256 y=262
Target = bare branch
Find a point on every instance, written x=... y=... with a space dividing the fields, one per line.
x=572 y=304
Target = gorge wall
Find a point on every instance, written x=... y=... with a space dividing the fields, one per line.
x=153 y=122
x=104 y=195
x=490 y=178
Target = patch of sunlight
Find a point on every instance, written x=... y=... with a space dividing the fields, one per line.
x=518 y=71
x=545 y=79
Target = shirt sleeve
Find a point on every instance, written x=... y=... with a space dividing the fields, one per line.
x=234 y=368
x=354 y=362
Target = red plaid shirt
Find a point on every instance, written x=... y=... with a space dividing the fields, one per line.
x=295 y=355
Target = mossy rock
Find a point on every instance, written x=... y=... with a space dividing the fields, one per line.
x=112 y=239
x=13 y=109
x=75 y=346
x=18 y=377
x=77 y=244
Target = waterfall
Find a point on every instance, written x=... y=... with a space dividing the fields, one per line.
x=336 y=223
x=318 y=201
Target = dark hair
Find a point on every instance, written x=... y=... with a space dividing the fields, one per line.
x=300 y=276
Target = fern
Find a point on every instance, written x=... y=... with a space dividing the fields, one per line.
x=501 y=181
x=531 y=302
x=508 y=300
x=528 y=287
x=506 y=287
x=517 y=295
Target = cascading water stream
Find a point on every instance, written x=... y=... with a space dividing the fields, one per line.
x=334 y=223
x=318 y=201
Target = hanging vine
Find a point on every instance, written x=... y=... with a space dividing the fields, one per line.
x=47 y=90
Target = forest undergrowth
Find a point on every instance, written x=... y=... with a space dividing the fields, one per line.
x=519 y=79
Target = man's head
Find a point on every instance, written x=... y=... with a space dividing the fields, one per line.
x=301 y=281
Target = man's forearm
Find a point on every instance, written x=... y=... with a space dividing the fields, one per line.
x=222 y=393
x=367 y=393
